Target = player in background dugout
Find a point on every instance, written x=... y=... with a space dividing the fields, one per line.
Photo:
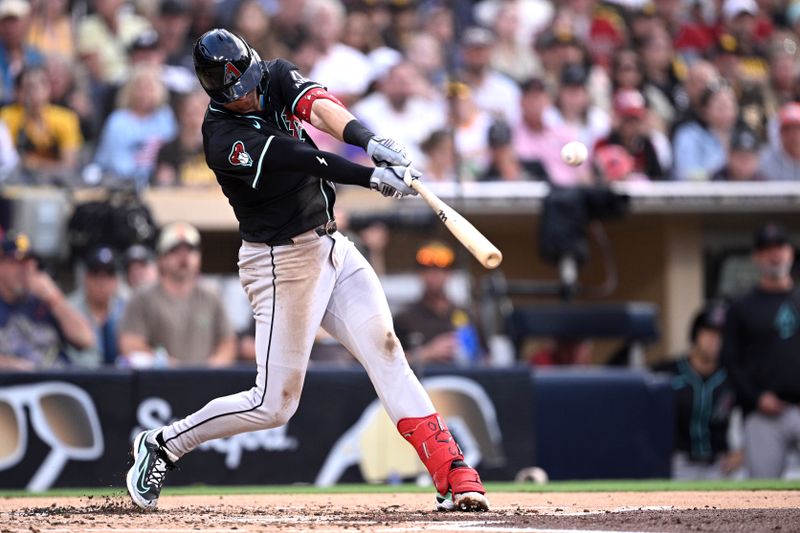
x=298 y=271
x=760 y=348
x=704 y=399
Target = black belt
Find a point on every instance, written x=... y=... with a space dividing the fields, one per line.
x=329 y=228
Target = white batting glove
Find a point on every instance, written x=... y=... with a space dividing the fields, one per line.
x=385 y=152
x=389 y=181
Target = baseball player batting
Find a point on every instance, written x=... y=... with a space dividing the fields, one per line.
x=299 y=273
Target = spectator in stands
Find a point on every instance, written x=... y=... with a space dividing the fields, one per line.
x=51 y=30
x=36 y=320
x=104 y=38
x=146 y=51
x=397 y=109
x=760 y=346
x=510 y=56
x=742 y=162
x=782 y=163
x=252 y=22
x=700 y=75
x=288 y=24
x=9 y=158
x=173 y=23
x=425 y=52
x=471 y=132
x=704 y=399
x=100 y=303
x=69 y=88
x=573 y=107
x=181 y=162
x=134 y=133
x=344 y=70
x=492 y=91
x=433 y=329
x=740 y=36
x=538 y=145
x=176 y=322
x=783 y=72
x=140 y=267
x=47 y=136
x=700 y=146
x=15 y=54
x=504 y=164
x=439 y=160
x=633 y=133
x=663 y=75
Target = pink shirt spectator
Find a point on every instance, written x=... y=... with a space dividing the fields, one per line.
x=545 y=146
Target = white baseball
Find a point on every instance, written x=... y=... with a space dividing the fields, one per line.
x=574 y=153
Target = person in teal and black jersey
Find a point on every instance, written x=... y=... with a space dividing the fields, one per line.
x=704 y=400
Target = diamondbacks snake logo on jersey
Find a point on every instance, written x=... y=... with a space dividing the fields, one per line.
x=238 y=155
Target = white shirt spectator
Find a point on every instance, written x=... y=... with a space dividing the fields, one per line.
x=409 y=126
x=498 y=95
x=343 y=70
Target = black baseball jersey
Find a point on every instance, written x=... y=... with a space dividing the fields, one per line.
x=277 y=182
x=761 y=345
x=702 y=410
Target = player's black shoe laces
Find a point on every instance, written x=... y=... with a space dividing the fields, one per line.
x=157 y=471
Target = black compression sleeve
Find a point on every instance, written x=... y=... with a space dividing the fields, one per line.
x=357 y=134
x=290 y=155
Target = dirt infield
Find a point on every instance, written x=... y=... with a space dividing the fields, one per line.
x=395 y=513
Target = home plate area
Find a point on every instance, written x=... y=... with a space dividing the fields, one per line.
x=724 y=511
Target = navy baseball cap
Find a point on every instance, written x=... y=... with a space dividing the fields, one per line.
x=768 y=235
x=711 y=316
x=101 y=259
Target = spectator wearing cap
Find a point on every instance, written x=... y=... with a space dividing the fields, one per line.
x=181 y=162
x=574 y=108
x=104 y=38
x=140 y=267
x=538 y=144
x=492 y=91
x=742 y=158
x=433 y=329
x=704 y=401
x=98 y=299
x=782 y=162
x=177 y=322
x=700 y=147
x=36 y=320
x=47 y=136
x=504 y=165
x=633 y=132
x=760 y=348
x=136 y=130
x=742 y=31
x=148 y=51
x=15 y=54
x=398 y=110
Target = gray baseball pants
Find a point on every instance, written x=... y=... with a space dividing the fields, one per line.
x=768 y=441
x=293 y=289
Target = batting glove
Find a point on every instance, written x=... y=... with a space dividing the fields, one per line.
x=389 y=181
x=385 y=152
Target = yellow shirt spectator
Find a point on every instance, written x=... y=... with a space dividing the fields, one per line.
x=58 y=131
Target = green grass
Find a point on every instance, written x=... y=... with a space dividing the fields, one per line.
x=556 y=486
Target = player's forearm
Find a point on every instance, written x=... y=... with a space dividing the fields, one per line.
x=301 y=158
x=330 y=117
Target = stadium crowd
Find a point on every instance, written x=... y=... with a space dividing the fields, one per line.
x=103 y=92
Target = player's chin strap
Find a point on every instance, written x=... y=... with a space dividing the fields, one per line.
x=440 y=454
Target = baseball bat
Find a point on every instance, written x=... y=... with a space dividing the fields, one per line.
x=473 y=240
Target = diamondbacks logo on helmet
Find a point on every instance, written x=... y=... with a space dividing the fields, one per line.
x=239 y=157
x=231 y=73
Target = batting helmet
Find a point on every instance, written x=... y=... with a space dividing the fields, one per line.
x=226 y=65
